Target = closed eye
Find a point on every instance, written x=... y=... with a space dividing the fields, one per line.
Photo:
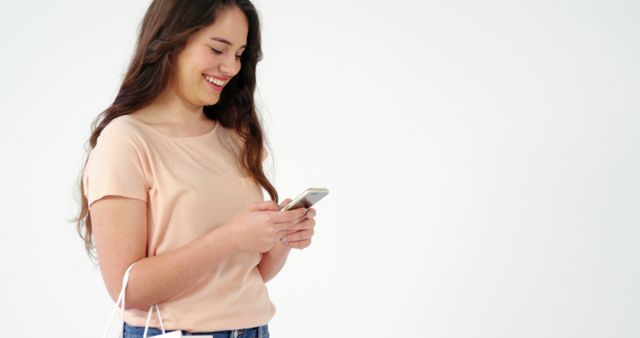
x=220 y=52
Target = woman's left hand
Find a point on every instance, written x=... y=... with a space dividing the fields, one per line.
x=299 y=235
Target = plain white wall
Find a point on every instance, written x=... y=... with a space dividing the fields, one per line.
x=482 y=157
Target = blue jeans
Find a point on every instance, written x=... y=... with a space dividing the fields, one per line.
x=254 y=332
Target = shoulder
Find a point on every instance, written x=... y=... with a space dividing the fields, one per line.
x=122 y=130
x=120 y=145
x=120 y=139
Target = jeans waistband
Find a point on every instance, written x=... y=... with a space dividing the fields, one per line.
x=130 y=331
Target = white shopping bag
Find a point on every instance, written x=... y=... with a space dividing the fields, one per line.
x=125 y=280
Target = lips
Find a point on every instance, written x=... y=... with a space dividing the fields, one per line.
x=221 y=78
x=213 y=86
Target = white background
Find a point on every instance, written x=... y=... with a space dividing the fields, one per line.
x=482 y=157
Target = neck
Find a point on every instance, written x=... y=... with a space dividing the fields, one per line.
x=176 y=110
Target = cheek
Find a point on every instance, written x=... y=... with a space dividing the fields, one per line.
x=195 y=65
x=203 y=58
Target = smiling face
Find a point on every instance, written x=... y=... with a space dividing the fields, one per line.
x=212 y=54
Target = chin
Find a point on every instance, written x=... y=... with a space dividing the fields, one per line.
x=211 y=102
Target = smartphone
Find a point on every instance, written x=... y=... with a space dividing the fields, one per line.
x=308 y=198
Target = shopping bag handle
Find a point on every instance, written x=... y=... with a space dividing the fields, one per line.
x=121 y=299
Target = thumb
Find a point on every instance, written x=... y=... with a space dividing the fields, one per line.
x=264 y=205
x=285 y=202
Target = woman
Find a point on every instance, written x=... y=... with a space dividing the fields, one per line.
x=173 y=179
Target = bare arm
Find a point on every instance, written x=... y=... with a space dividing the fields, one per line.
x=272 y=261
x=120 y=232
x=298 y=236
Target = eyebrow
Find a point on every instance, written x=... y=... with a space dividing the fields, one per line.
x=225 y=41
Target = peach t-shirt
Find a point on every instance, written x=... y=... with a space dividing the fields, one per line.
x=192 y=185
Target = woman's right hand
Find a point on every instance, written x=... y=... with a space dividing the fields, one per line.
x=258 y=227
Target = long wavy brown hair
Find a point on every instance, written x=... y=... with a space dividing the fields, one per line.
x=164 y=31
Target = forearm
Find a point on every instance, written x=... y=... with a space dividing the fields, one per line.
x=157 y=278
x=273 y=260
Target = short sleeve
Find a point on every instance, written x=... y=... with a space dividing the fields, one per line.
x=115 y=166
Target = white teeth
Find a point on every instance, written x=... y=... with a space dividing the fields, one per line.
x=214 y=81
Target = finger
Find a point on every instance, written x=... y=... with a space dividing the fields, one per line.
x=300 y=235
x=296 y=236
x=298 y=222
x=299 y=244
x=284 y=240
x=285 y=202
x=311 y=213
x=291 y=231
x=264 y=205
x=302 y=225
x=287 y=218
x=285 y=233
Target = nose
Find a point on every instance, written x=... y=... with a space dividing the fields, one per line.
x=229 y=66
